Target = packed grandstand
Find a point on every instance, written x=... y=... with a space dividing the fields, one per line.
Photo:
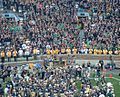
x=52 y=28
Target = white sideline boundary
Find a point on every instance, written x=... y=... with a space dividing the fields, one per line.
x=112 y=78
x=116 y=78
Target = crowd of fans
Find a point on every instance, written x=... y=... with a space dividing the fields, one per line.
x=38 y=81
x=53 y=27
x=54 y=24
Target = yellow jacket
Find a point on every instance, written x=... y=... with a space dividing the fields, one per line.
x=90 y=51
x=9 y=54
x=34 y=51
x=63 y=50
x=74 y=51
x=48 y=52
x=56 y=51
x=14 y=53
x=105 y=52
x=2 y=54
x=68 y=50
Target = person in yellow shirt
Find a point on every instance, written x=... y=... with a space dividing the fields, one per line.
x=31 y=65
x=35 y=51
x=9 y=55
x=87 y=90
x=15 y=55
x=105 y=51
x=74 y=50
x=48 y=52
x=68 y=51
x=90 y=51
x=99 y=51
x=110 y=52
x=95 y=51
x=2 y=56
x=56 y=51
x=52 y=51
x=63 y=51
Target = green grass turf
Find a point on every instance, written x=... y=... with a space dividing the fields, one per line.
x=116 y=84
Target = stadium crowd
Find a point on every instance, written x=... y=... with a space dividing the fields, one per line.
x=37 y=81
x=54 y=25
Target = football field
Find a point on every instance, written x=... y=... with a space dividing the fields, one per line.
x=115 y=80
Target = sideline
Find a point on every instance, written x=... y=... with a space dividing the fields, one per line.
x=112 y=78
x=116 y=78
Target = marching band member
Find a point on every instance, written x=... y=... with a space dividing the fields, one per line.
x=74 y=50
x=35 y=52
x=63 y=50
x=105 y=51
x=68 y=51
x=90 y=51
x=2 y=56
x=9 y=55
x=15 y=55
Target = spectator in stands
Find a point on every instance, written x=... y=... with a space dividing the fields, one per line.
x=51 y=24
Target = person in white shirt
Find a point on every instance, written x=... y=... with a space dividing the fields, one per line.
x=48 y=46
x=27 y=53
x=6 y=91
x=82 y=50
x=86 y=51
x=20 y=52
x=24 y=47
x=102 y=95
